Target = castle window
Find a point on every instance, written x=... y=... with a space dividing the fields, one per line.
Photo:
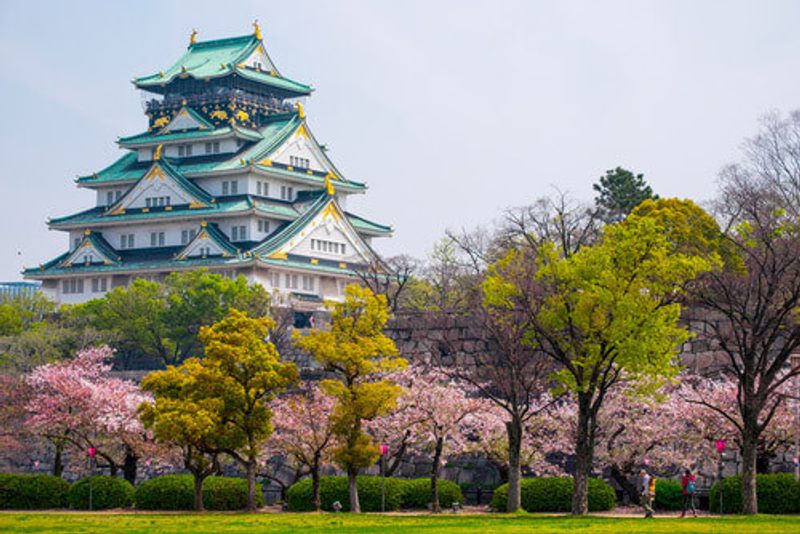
x=258 y=188
x=212 y=147
x=225 y=186
x=126 y=241
x=99 y=285
x=300 y=163
x=76 y=242
x=117 y=195
x=330 y=247
x=287 y=192
x=234 y=187
x=74 y=285
x=110 y=197
x=308 y=283
x=184 y=150
x=291 y=281
x=263 y=226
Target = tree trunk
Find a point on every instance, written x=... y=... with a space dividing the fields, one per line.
x=198 y=492
x=437 y=458
x=749 y=454
x=251 y=485
x=129 y=467
x=514 y=430
x=352 y=475
x=627 y=486
x=584 y=449
x=58 y=461
x=315 y=484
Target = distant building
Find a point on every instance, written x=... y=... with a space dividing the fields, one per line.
x=228 y=176
x=14 y=289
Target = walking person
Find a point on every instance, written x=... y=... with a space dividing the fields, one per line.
x=648 y=491
x=689 y=483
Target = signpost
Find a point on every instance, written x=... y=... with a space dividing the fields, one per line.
x=720 y=445
x=384 y=451
x=92 y=453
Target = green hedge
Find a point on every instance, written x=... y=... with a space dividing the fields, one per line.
x=176 y=492
x=669 y=495
x=107 y=492
x=777 y=494
x=32 y=492
x=299 y=497
x=417 y=494
x=554 y=494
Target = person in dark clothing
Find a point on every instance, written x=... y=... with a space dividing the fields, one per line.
x=689 y=483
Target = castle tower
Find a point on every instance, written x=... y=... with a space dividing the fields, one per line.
x=228 y=176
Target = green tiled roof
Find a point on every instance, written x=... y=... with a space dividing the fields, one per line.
x=365 y=225
x=287 y=232
x=50 y=267
x=150 y=138
x=273 y=135
x=216 y=235
x=271 y=207
x=206 y=60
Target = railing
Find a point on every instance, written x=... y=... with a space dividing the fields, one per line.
x=218 y=96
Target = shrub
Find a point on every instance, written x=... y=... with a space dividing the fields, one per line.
x=176 y=492
x=777 y=494
x=299 y=497
x=417 y=494
x=169 y=492
x=107 y=492
x=554 y=494
x=669 y=495
x=228 y=493
x=32 y=492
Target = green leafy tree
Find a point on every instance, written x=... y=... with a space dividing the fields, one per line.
x=604 y=314
x=162 y=321
x=182 y=415
x=244 y=371
x=618 y=192
x=228 y=390
x=358 y=354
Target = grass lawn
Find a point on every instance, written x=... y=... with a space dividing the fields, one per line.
x=383 y=524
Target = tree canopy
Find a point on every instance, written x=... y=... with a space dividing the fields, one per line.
x=618 y=192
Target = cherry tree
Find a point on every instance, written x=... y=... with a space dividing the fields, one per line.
x=546 y=438
x=437 y=409
x=303 y=435
x=634 y=431
x=76 y=402
x=713 y=404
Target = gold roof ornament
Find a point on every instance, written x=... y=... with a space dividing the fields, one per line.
x=87 y=232
x=257 y=30
x=300 y=111
x=193 y=37
x=329 y=185
x=157 y=154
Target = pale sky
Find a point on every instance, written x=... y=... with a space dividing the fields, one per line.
x=450 y=111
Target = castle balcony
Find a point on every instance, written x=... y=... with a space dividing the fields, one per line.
x=220 y=96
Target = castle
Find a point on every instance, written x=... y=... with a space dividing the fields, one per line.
x=228 y=176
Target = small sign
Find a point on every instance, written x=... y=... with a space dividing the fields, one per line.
x=92 y=452
x=384 y=449
x=720 y=444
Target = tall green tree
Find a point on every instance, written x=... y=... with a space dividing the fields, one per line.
x=182 y=415
x=358 y=354
x=604 y=314
x=163 y=320
x=230 y=388
x=618 y=192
